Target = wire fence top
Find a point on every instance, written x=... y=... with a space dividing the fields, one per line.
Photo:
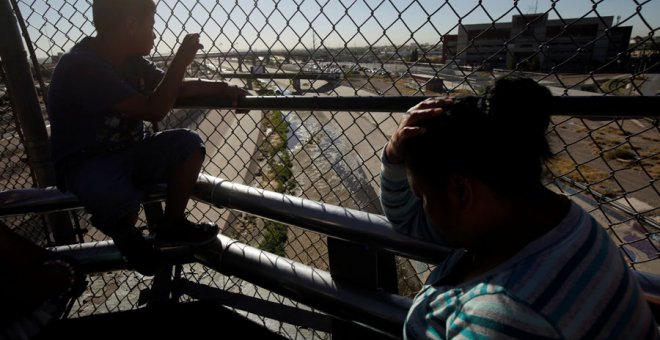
x=330 y=80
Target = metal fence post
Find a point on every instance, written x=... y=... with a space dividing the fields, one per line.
x=360 y=265
x=28 y=113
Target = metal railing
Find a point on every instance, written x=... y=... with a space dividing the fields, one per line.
x=353 y=68
x=376 y=310
x=609 y=107
x=380 y=311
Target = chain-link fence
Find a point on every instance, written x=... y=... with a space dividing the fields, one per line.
x=382 y=48
x=15 y=171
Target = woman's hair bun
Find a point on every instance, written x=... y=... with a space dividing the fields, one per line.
x=499 y=138
x=519 y=101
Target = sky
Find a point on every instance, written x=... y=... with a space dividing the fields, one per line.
x=55 y=25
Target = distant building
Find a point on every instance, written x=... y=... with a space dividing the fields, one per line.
x=56 y=58
x=449 y=42
x=428 y=83
x=537 y=44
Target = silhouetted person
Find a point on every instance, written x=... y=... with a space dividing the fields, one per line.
x=529 y=263
x=101 y=93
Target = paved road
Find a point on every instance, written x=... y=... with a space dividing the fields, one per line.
x=651 y=86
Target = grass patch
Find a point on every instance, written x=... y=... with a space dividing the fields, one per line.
x=462 y=92
x=579 y=173
x=652 y=139
x=652 y=152
x=606 y=141
x=616 y=86
x=622 y=86
x=275 y=237
x=588 y=175
x=623 y=152
x=651 y=163
x=261 y=89
x=653 y=170
x=277 y=175
x=611 y=130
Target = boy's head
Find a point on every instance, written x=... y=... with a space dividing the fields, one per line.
x=109 y=14
x=133 y=19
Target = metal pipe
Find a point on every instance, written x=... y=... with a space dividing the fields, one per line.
x=24 y=97
x=379 y=311
x=33 y=200
x=303 y=103
x=582 y=106
x=30 y=46
x=94 y=257
x=346 y=224
x=310 y=76
x=28 y=113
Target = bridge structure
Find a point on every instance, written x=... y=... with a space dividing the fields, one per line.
x=257 y=68
x=248 y=55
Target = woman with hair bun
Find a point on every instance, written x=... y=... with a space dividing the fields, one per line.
x=528 y=263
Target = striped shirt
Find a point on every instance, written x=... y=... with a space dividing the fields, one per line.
x=570 y=283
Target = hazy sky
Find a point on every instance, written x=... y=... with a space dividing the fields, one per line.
x=288 y=23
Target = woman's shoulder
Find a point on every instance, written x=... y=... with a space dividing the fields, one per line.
x=481 y=309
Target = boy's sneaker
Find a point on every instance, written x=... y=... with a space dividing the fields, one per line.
x=139 y=254
x=184 y=232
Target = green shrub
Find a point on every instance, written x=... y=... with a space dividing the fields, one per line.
x=275 y=237
x=622 y=152
x=280 y=164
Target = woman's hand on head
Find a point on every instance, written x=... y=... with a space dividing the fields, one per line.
x=409 y=125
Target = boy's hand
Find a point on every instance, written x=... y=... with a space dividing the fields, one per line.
x=409 y=126
x=235 y=93
x=188 y=49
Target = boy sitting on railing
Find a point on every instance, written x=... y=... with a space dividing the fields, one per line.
x=99 y=96
x=530 y=264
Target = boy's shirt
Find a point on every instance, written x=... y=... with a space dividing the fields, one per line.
x=82 y=92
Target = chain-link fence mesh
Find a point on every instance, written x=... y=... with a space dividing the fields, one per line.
x=15 y=171
x=390 y=48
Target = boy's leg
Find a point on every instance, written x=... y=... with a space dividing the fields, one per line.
x=176 y=157
x=139 y=254
x=180 y=185
x=105 y=186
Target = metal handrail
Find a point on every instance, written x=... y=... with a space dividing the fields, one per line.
x=51 y=199
x=379 y=311
x=347 y=224
x=577 y=106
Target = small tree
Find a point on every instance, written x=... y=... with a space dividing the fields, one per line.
x=414 y=55
x=511 y=63
x=535 y=63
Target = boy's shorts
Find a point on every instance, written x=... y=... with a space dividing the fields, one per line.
x=111 y=186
